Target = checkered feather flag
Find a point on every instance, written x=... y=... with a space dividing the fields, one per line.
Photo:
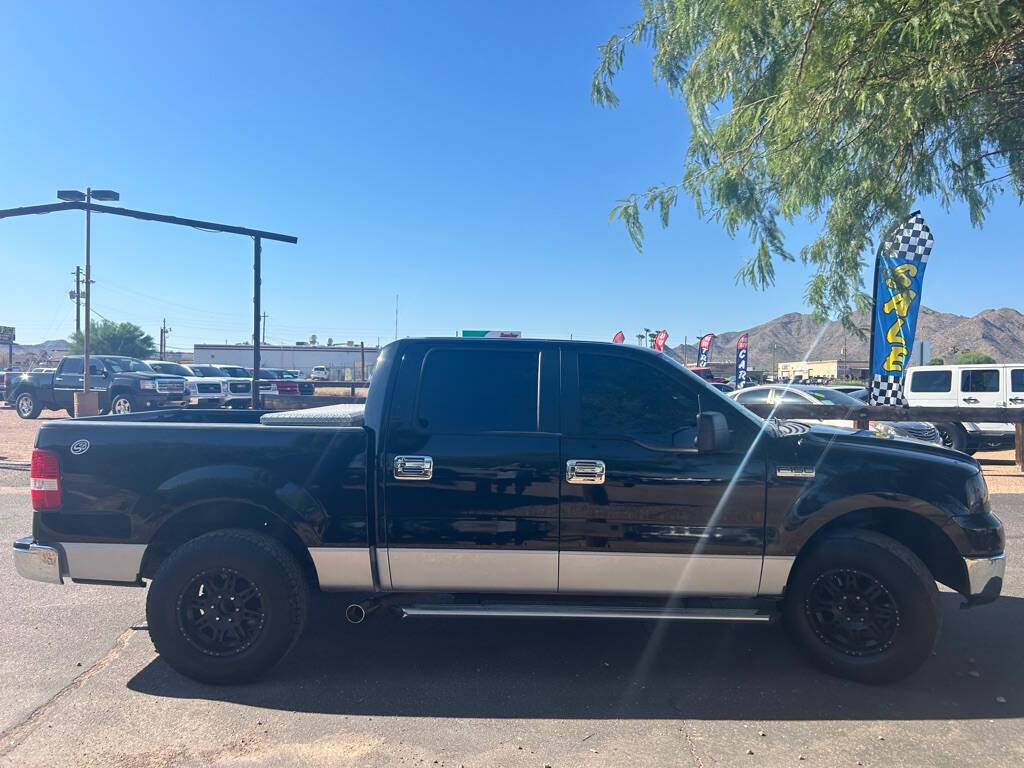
x=887 y=390
x=910 y=240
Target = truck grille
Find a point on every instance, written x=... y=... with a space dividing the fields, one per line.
x=170 y=386
x=305 y=388
x=240 y=387
x=287 y=388
x=208 y=388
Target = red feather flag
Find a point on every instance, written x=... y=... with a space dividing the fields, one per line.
x=619 y=337
x=659 y=340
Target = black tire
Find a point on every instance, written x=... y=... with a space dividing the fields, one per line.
x=887 y=595
x=953 y=436
x=122 y=402
x=184 y=632
x=27 y=405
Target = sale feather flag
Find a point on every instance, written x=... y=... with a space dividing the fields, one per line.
x=619 y=337
x=741 y=360
x=704 y=350
x=660 y=339
x=899 y=275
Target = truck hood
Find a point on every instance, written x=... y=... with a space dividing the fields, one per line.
x=824 y=437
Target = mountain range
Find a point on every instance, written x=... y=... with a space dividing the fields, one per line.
x=997 y=332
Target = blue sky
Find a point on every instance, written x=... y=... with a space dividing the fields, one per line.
x=444 y=151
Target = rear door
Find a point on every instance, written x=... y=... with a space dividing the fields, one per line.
x=659 y=518
x=1015 y=379
x=472 y=468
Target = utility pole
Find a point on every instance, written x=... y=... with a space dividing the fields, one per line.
x=362 y=361
x=686 y=340
x=164 y=330
x=264 y=327
x=78 y=300
x=87 y=406
x=774 y=347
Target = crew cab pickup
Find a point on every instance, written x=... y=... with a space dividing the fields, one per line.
x=512 y=478
x=123 y=384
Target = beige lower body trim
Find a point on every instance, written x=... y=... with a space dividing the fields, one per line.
x=641 y=573
x=342 y=568
x=775 y=574
x=104 y=562
x=472 y=570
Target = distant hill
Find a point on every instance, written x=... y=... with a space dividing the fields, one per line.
x=997 y=332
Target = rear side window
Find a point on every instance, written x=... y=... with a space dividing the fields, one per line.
x=1017 y=380
x=467 y=390
x=755 y=397
x=985 y=380
x=789 y=396
x=931 y=381
x=623 y=397
x=72 y=365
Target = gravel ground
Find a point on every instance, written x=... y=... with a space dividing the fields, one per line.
x=18 y=435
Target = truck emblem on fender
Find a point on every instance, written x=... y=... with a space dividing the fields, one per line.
x=79 y=447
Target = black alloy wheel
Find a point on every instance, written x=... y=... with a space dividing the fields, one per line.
x=852 y=612
x=221 y=612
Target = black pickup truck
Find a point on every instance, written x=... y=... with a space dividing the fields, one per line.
x=123 y=385
x=513 y=478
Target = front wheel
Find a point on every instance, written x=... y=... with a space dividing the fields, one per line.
x=226 y=606
x=863 y=606
x=953 y=436
x=27 y=405
x=122 y=403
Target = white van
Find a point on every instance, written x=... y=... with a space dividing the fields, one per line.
x=969 y=386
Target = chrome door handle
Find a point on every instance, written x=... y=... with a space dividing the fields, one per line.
x=413 y=467
x=584 y=471
x=970 y=399
x=1017 y=399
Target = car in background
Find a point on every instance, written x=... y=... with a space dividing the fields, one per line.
x=237 y=392
x=287 y=382
x=205 y=393
x=319 y=373
x=809 y=394
x=969 y=386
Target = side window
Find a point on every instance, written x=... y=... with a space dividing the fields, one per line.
x=1017 y=380
x=469 y=391
x=72 y=366
x=756 y=397
x=789 y=397
x=624 y=397
x=931 y=381
x=982 y=380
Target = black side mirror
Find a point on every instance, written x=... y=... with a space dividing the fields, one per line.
x=713 y=434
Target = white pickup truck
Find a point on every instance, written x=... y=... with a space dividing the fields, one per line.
x=208 y=386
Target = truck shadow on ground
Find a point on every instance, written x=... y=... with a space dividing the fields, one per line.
x=613 y=669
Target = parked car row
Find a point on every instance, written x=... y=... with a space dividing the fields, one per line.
x=125 y=384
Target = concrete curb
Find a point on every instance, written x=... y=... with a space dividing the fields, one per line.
x=15 y=466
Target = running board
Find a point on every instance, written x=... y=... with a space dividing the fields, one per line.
x=587 y=612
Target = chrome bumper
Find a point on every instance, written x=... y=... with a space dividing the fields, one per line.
x=37 y=561
x=984 y=578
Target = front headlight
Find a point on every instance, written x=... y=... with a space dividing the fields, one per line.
x=885 y=429
x=192 y=387
x=147 y=384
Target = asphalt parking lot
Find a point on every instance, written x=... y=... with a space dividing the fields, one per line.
x=81 y=685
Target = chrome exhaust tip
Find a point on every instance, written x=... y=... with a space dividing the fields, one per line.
x=355 y=613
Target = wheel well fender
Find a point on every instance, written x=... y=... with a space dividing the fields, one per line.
x=917 y=533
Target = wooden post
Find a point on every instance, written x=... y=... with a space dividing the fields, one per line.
x=1019 y=446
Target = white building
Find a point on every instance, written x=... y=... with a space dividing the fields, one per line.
x=345 y=362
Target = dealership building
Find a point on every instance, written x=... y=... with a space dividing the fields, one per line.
x=344 y=362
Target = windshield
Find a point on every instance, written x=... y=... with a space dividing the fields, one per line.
x=172 y=368
x=205 y=371
x=126 y=365
x=827 y=396
x=234 y=370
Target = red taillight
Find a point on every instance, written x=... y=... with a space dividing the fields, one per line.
x=45 y=480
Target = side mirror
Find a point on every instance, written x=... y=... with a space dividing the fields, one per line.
x=713 y=434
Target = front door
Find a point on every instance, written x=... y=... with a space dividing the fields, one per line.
x=983 y=387
x=662 y=518
x=472 y=470
x=66 y=381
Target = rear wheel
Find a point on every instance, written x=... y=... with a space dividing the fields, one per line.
x=27 y=405
x=863 y=606
x=226 y=606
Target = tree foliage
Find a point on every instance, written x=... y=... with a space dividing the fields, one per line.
x=110 y=338
x=841 y=112
x=936 y=361
x=973 y=358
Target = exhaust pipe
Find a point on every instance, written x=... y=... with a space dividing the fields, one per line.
x=356 y=613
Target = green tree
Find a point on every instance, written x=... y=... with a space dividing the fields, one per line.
x=936 y=361
x=841 y=112
x=110 y=338
x=971 y=358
